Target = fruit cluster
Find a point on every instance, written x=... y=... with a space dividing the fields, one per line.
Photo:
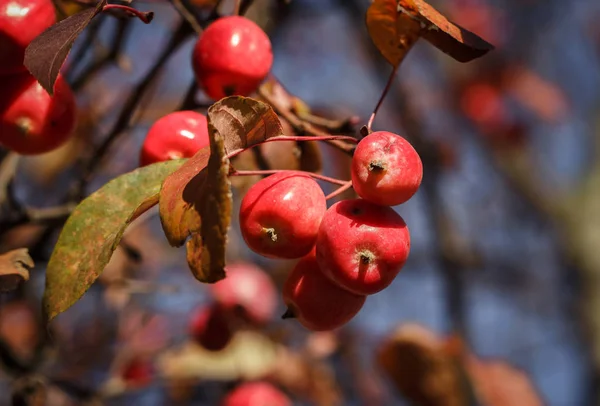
x=351 y=250
x=31 y=121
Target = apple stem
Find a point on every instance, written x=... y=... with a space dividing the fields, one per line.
x=376 y=166
x=347 y=185
x=145 y=17
x=388 y=86
x=274 y=171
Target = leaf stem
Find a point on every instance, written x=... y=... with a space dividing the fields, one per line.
x=387 y=88
x=329 y=138
x=335 y=181
x=145 y=16
x=345 y=186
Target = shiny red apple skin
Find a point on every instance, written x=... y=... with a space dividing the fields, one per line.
x=362 y=246
x=177 y=135
x=21 y=21
x=386 y=169
x=315 y=301
x=280 y=215
x=232 y=57
x=31 y=121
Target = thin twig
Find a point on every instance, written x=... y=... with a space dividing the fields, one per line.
x=301 y=126
x=387 y=88
x=130 y=106
x=114 y=52
x=347 y=185
x=186 y=12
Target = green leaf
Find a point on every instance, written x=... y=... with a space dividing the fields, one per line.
x=93 y=232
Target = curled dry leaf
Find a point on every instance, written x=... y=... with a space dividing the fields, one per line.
x=206 y=252
x=415 y=361
x=14 y=268
x=201 y=189
x=395 y=25
x=93 y=232
x=46 y=54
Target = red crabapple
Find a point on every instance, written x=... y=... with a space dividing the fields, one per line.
x=386 y=169
x=232 y=57
x=280 y=215
x=248 y=289
x=177 y=135
x=31 y=121
x=256 y=394
x=137 y=373
x=318 y=303
x=20 y=22
x=210 y=327
x=362 y=246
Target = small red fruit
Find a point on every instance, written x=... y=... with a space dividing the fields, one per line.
x=20 y=22
x=318 y=303
x=137 y=373
x=210 y=327
x=280 y=215
x=32 y=122
x=256 y=394
x=232 y=57
x=246 y=291
x=386 y=169
x=177 y=135
x=362 y=246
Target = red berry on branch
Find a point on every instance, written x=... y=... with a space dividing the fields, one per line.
x=280 y=215
x=32 y=122
x=386 y=169
x=210 y=327
x=137 y=373
x=362 y=246
x=177 y=135
x=20 y=22
x=315 y=301
x=246 y=292
x=232 y=57
x=256 y=394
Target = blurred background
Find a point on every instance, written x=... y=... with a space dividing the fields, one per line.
x=504 y=270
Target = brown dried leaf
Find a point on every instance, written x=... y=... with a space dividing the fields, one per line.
x=206 y=252
x=242 y=122
x=392 y=32
x=395 y=25
x=415 y=361
x=46 y=54
x=459 y=43
x=14 y=268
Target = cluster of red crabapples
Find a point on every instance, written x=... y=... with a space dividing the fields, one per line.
x=348 y=251
x=31 y=121
x=351 y=250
